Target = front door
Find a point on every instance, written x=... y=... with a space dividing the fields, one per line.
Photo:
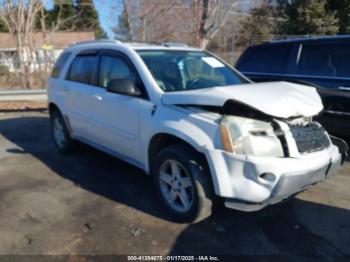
x=116 y=116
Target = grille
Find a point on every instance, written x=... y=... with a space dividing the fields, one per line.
x=310 y=138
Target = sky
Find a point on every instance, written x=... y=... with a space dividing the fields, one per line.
x=108 y=12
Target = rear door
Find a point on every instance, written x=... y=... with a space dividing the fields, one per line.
x=57 y=92
x=80 y=88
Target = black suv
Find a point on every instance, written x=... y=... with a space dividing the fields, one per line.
x=322 y=62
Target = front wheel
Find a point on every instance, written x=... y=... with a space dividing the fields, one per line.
x=183 y=184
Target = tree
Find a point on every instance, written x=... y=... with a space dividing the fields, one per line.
x=26 y=22
x=307 y=18
x=259 y=25
x=150 y=20
x=122 y=31
x=87 y=18
x=62 y=10
x=3 y=28
x=19 y=16
x=195 y=22
x=342 y=9
x=213 y=16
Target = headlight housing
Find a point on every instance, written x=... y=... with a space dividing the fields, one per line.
x=247 y=136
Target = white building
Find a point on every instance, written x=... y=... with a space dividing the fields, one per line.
x=46 y=50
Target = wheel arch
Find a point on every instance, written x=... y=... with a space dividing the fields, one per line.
x=163 y=139
x=54 y=108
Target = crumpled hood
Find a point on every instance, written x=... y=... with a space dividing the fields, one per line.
x=278 y=99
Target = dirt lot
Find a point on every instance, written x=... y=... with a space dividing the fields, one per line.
x=91 y=203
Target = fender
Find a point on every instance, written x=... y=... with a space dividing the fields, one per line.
x=187 y=132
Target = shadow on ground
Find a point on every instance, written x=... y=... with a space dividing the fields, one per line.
x=297 y=227
x=87 y=168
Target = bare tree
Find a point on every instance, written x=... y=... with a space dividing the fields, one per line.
x=26 y=23
x=159 y=21
x=194 y=22
x=48 y=32
x=214 y=14
x=20 y=18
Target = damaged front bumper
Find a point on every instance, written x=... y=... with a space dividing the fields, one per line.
x=288 y=185
x=250 y=183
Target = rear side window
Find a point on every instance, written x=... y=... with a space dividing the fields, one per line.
x=60 y=63
x=82 y=69
x=332 y=60
x=265 y=59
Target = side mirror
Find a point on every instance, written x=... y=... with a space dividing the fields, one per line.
x=123 y=86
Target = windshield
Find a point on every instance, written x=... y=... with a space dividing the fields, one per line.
x=188 y=70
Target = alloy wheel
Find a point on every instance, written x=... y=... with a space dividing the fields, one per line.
x=176 y=186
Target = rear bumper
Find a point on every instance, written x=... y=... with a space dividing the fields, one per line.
x=240 y=179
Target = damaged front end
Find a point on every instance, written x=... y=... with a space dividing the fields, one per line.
x=274 y=157
x=260 y=159
x=248 y=131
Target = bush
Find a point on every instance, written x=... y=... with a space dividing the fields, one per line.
x=4 y=70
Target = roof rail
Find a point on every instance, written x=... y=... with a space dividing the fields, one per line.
x=174 y=44
x=305 y=38
x=290 y=38
x=96 y=41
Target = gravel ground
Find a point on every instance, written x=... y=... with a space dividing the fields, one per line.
x=90 y=203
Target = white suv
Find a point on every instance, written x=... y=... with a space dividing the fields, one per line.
x=199 y=127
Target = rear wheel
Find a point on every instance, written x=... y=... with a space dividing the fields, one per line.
x=61 y=138
x=183 y=184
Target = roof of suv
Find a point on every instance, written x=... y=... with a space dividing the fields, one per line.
x=135 y=45
x=309 y=39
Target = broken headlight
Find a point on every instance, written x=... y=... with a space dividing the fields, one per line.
x=247 y=136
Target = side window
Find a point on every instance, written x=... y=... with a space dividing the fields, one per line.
x=61 y=61
x=266 y=59
x=111 y=68
x=341 y=60
x=315 y=60
x=82 y=69
x=325 y=60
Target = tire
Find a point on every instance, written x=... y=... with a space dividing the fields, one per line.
x=60 y=135
x=170 y=188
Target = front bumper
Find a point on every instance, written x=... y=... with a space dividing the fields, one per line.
x=240 y=179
